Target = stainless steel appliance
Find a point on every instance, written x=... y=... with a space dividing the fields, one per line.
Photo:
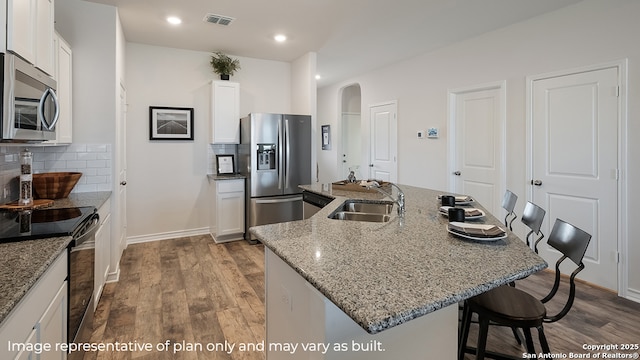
x=313 y=203
x=275 y=156
x=81 y=224
x=29 y=107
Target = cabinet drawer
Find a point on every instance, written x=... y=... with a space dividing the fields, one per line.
x=227 y=186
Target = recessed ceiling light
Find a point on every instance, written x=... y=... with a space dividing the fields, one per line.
x=173 y=20
x=318 y=77
x=280 y=38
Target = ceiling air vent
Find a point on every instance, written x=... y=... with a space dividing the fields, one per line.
x=218 y=19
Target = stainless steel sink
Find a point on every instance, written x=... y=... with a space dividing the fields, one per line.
x=367 y=207
x=360 y=216
x=363 y=211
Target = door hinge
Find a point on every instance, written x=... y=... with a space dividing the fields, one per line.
x=617 y=174
x=618 y=257
x=618 y=91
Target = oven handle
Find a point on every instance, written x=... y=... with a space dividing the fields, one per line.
x=90 y=229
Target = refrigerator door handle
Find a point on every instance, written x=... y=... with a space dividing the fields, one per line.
x=277 y=201
x=288 y=156
x=280 y=175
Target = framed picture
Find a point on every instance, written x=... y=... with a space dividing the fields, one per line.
x=326 y=137
x=170 y=123
x=225 y=164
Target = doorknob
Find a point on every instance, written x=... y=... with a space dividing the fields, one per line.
x=123 y=183
x=457 y=173
x=536 y=182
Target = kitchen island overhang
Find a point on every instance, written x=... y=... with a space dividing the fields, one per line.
x=382 y=275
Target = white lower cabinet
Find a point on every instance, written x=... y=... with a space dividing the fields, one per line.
x=103 y=251
x=227 y=209
x=39 y=319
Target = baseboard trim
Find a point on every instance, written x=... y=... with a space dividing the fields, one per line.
x=633 y=294
x=113 y=276
x=167 y=235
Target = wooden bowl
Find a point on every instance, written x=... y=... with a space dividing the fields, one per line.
x=54 y=185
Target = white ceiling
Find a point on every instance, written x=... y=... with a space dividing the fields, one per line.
x=350 y=37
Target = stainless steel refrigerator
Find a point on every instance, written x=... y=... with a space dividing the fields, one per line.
x=275 y=156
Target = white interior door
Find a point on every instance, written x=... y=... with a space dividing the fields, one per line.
x=351 y=145
x=384 y=142
x=574 y=159
x=478 y=121
x=122 y=172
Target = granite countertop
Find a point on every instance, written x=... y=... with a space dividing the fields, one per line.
x=23 y=263
x=225 y=177
x=385 y=274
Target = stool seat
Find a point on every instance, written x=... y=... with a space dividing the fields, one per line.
x=510 y=306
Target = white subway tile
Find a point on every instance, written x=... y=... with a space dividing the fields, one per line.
x=87 y=156
x=97 y=164
x=77 y=164
x=97 y=148
x=67 y=156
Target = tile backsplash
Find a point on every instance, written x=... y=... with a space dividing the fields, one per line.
x=94 y=161
x=220 y=149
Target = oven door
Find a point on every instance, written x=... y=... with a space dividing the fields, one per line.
x=81 y=284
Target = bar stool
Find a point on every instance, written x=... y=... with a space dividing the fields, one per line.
x=508 y=203
x=532 y=216
x=510 y=306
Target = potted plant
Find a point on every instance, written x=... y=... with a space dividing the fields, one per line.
x=223 y=65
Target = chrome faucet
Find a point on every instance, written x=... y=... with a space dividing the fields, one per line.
x=400 y=200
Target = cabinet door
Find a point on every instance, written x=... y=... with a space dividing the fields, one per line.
x=3 y=25
x=230 y=207
x=52 y=327
x=103 y=253
x=225 y=112
x=230 y=213
x=44 y=45
x=63 y=75
x=21 y=35
x=28 y=355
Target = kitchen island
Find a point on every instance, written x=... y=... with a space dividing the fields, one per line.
x=378 y=290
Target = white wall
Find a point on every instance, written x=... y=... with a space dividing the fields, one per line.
x=90 y=30
x=590 y=32
x=167 y=183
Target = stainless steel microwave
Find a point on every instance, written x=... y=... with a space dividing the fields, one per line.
x=30 y=108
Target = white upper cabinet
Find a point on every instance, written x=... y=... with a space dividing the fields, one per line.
x=3 y=25
x=63 y=75
x=225 y=112
x=30 y=32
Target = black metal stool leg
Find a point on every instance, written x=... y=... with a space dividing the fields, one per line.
x=543 y=341
x=529 y=341
x=482 y=337
x=464 y=331
x=516 y=335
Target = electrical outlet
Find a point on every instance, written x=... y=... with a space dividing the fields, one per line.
x=285 y=297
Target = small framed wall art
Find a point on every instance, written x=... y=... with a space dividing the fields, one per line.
x=326 y=137
x=170 y=123
x=225 y=165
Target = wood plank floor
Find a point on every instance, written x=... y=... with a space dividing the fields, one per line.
x=191 y=289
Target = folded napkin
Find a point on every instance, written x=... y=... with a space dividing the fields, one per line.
x=459 y=198
x=476 y=230
x=468 y=212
